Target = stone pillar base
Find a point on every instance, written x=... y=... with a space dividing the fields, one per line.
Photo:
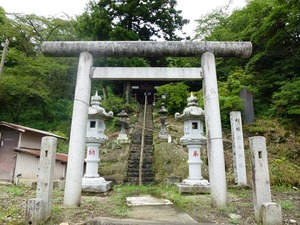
x=98 y=184
x=271 y=213
x=194 y=186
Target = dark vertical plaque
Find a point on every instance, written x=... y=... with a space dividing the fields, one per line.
x=248 y=112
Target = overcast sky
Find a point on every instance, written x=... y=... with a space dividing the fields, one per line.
x=191 y=9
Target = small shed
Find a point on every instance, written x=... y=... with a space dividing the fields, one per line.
x=20 y=150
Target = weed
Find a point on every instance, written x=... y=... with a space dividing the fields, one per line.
x=240 y=192
x=16 y=190
x=287 y=205
x=57 y=208
x=234 y=221
x=229 y=208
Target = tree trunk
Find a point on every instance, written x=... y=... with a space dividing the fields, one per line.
x=127 y=91
x=3 y=56
x=104 y=91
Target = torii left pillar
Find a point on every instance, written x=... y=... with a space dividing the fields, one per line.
x=72 y=193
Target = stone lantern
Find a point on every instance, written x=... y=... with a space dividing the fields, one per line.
x=163 y=134
x=122 y=134
x=193 y=117
x=94 y=138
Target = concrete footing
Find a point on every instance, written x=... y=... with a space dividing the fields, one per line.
x=98 y=184
x=271 y=214
x=194 y=186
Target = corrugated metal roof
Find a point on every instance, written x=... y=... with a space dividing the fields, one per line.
x=59 y=156
x=24 y=129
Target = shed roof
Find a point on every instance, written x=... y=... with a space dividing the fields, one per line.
x=59 y=156
x=24 y=129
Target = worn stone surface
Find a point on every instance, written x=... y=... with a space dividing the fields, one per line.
x=164 y=214
x=260 y=174
x=149 y=73
x=78 y=131
x=147 y=48
x=193 y=138
x=188 y=188
x=34 y=210
x=38 y=210
x=96 y=185
x=146 y=200
x=216 y=162
x=248 y=113
x=239 y=166
x=271 y=214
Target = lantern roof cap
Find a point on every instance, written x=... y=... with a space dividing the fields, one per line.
x=192 y=112
x=96 y=111
x=123 y=113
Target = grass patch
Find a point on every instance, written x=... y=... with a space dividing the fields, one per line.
x=118 y=199
x=287 y=205
x=17 y=191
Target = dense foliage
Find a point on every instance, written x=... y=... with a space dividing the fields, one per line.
x=35 y=90
x=125 y=20
x=38 y=91
x=272 y=73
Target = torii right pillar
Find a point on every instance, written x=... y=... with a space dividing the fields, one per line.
x=215 y=150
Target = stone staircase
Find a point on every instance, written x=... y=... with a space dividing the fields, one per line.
x=134 y=158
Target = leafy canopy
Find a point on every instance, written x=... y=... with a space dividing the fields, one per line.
x=130 y=20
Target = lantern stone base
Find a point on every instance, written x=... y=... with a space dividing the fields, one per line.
x=98 y=184
x=163 y=136
x=194 y=186
x=122 y=137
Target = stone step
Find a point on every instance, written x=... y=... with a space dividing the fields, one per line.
x=144 y=174
x=138 y=155
x=135 y=180
x=136 y=165
x=136 y=169
x=134 y=157
x=147 y=148
x=137 y=162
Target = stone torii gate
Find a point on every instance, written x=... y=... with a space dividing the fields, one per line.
x=87 y=50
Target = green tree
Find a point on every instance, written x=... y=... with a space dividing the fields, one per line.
x=177 y=94
x=287 y=100
x=273 y=28
x=33 y=85
x=130 y=20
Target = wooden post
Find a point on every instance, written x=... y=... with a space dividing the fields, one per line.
x=143 y=143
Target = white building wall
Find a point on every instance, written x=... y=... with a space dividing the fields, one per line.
x=27 y=165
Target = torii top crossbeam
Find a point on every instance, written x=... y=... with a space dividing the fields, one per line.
x=147 y=48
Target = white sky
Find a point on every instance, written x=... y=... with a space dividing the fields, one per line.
x=191 y=9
